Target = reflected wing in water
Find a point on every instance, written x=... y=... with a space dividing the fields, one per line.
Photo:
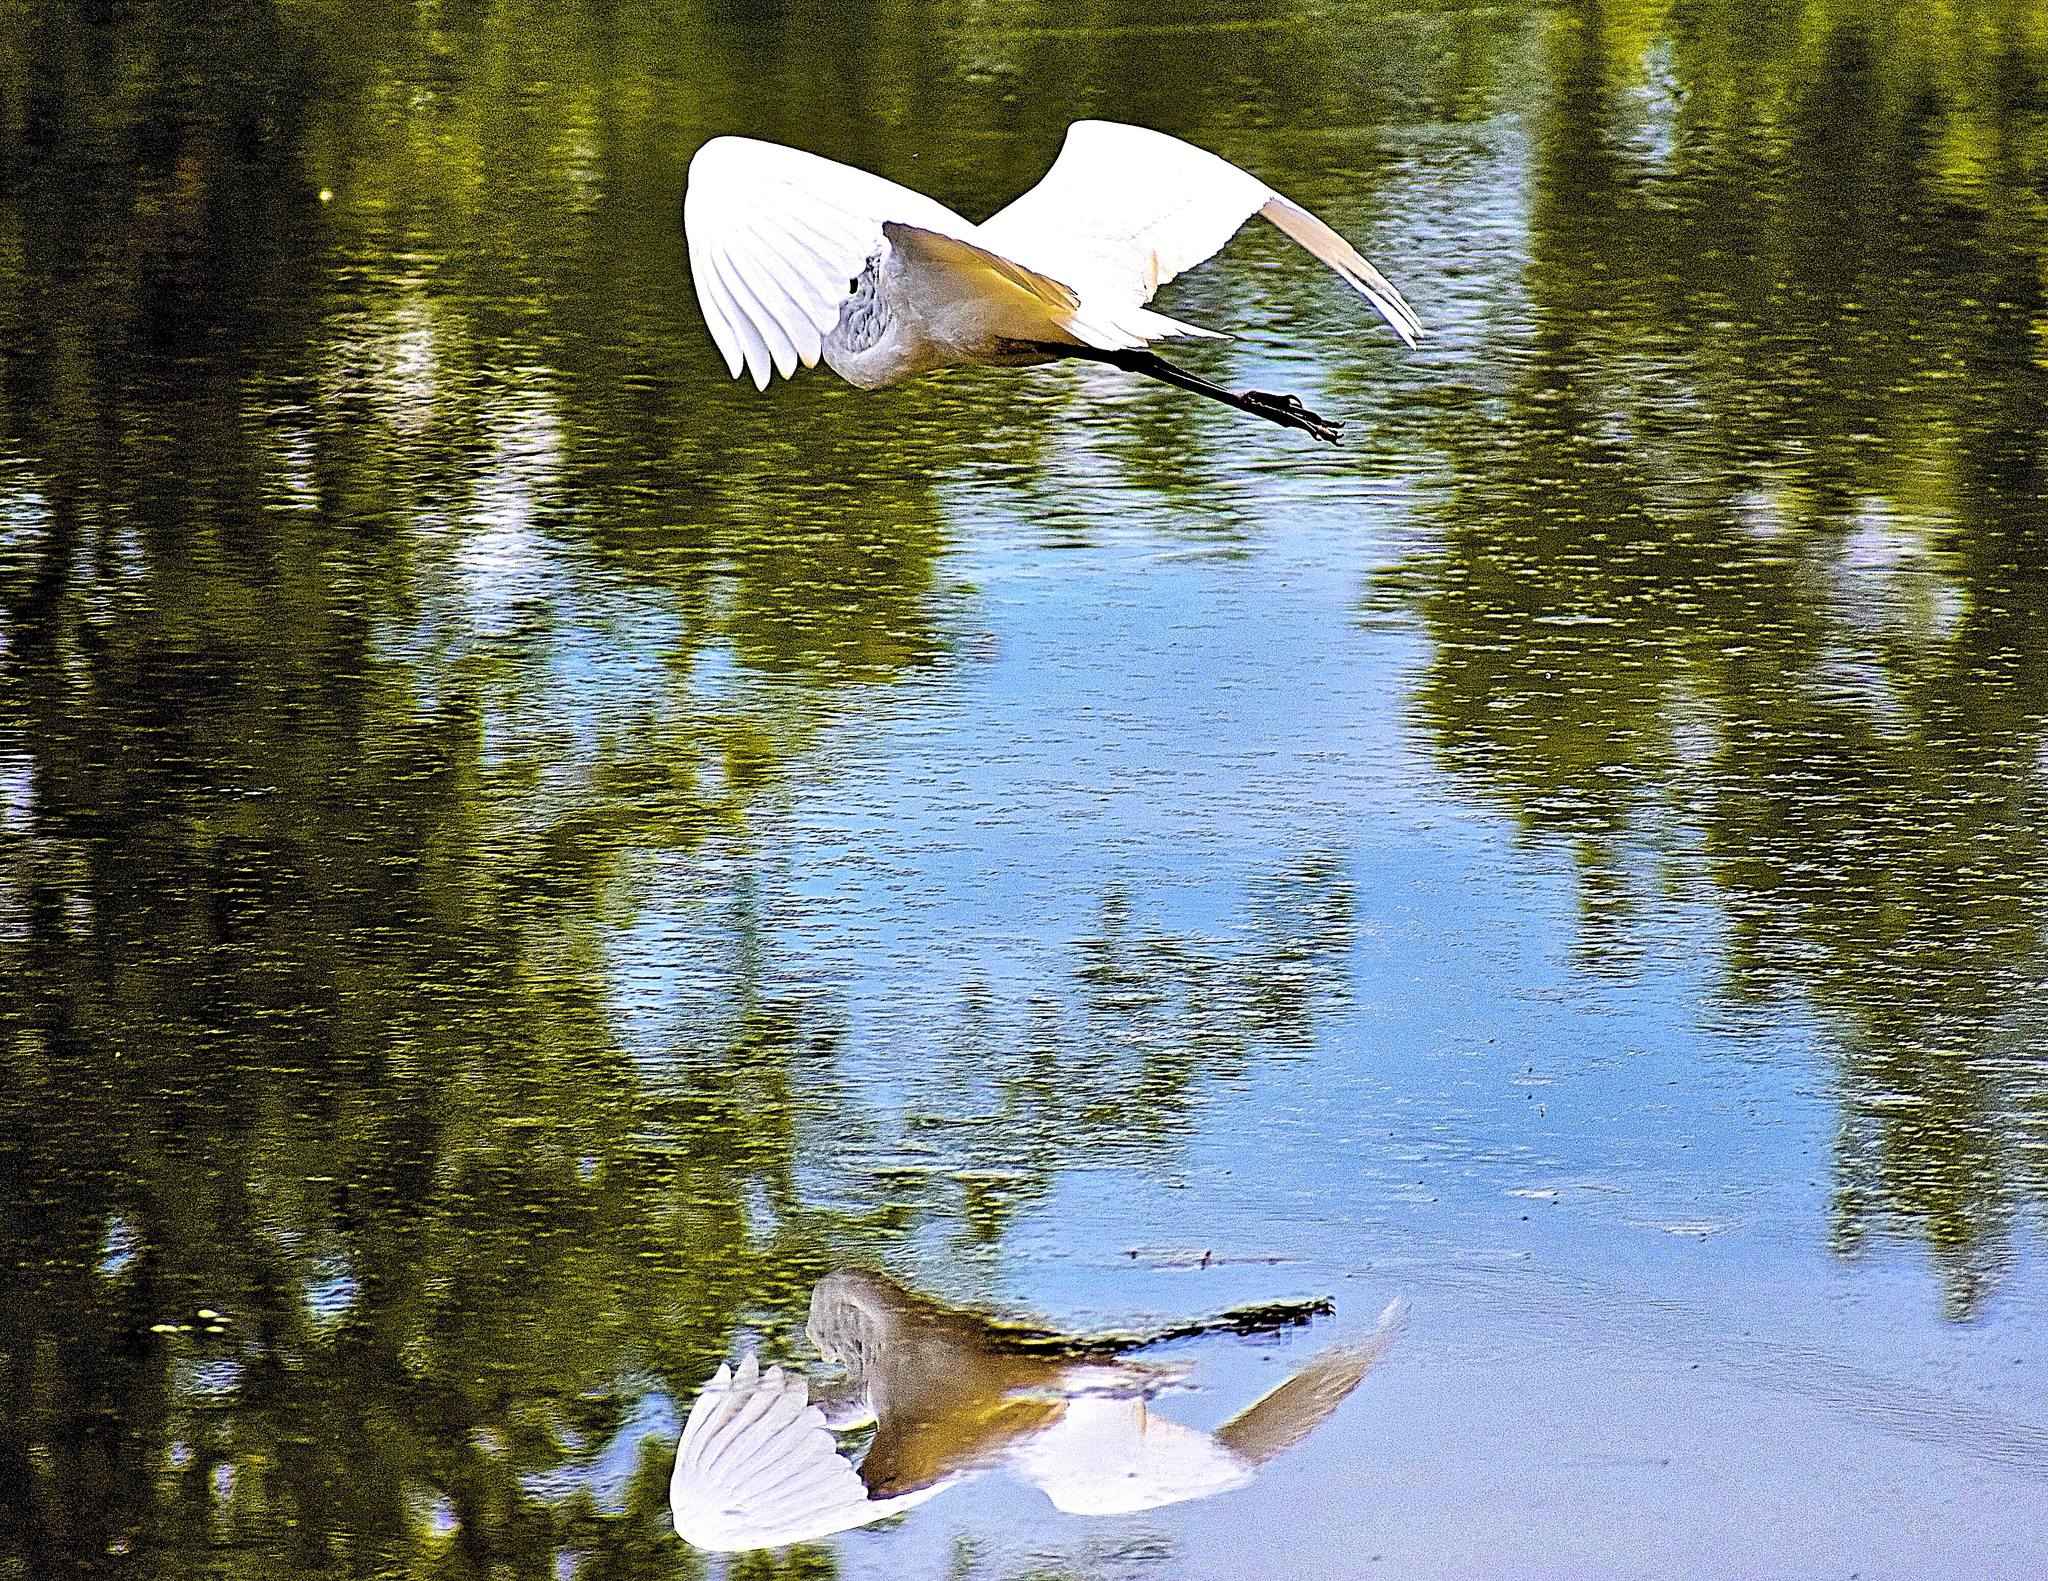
x=1281 y=1418
x=1111 y=1454
x=756 y=1467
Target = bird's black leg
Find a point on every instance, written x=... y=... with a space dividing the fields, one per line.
x=1282 y=409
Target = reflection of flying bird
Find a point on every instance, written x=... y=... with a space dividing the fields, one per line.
x=952 y=1394
x=797 y=258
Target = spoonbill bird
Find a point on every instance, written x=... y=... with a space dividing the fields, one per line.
x=798 y=257
x=953 y=1394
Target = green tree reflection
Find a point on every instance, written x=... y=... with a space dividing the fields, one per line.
x=385 y=586
x=1740 y=573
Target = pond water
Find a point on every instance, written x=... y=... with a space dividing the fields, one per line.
x=518 y=855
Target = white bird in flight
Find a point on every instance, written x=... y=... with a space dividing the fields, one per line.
x=953 y=1394
x=796 y=257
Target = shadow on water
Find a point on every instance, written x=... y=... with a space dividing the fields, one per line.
x=1741 y=574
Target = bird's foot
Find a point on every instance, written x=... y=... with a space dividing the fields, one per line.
x=1290 y=413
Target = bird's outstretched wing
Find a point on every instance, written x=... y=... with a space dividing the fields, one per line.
x=1124 y=209
x=756 y=1467
x=776 y=235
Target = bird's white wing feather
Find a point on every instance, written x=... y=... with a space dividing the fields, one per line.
x=1125 y=209
x=756 y=1467
x=775 y=236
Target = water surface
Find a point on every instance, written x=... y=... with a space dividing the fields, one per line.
x=517 y=854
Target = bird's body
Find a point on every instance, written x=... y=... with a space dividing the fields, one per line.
x=798 y=259
x=923 y=301
x=952 y=1394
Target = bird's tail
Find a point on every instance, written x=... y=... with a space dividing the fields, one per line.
x=1157 y=326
